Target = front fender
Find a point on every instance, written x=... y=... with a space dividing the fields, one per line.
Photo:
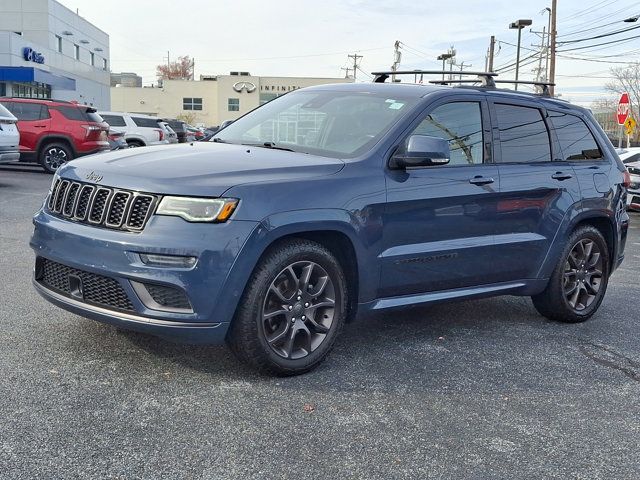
x=290 y=223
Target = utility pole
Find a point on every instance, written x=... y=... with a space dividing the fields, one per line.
x=552 y=35
x=397 y=56
x=462 y=65
x=355 y=57
x=346 y=71
x=193 y=69
x=543 y=52
x=492 y=48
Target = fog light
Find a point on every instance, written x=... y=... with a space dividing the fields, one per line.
x=171 y=261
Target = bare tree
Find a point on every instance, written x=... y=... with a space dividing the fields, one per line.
x=181 y=69
x=626 y=79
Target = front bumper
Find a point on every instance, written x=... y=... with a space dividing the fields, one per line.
x=212 y=285
x=9 y=154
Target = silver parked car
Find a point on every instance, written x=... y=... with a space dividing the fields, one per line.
x=9 y=137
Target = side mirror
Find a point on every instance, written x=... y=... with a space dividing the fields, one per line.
x=421 y=151
x=225 y=124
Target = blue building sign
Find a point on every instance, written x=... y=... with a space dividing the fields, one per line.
x=30 y=55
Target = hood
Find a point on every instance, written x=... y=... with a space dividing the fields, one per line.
x=200 y=169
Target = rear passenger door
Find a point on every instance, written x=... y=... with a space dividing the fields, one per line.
x=535 y=190
x=579 y=149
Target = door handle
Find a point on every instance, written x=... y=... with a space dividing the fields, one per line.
x=40 y=126
x=561 y=176
x=480 y=180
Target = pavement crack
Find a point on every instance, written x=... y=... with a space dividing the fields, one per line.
x=607 y=357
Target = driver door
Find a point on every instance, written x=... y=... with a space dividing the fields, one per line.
x=439 y=220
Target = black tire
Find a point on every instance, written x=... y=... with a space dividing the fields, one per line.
x=251 y=331
x=54 y=155
x=572 y=278
x=135 y=143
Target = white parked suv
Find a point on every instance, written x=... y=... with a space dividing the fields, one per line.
x=139 y=130
x=9 y=137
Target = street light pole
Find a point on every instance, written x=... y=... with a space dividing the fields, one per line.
x=444 y=57
x=519 y=25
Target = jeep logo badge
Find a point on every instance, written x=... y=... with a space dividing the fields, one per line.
x=94 y=177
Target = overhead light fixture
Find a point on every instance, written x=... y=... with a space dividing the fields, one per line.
x=84 y=41
x=631 y=19
x=67 y=32
x=98 y=49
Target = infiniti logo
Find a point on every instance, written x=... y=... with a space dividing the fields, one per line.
x=247 y=86
x=94 y=177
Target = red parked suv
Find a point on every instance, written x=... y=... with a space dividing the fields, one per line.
x=52 y=132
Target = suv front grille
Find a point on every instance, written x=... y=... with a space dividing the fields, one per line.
x=96 y=289
x=101 y=206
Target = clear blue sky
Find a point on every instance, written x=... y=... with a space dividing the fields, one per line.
x=312 y=38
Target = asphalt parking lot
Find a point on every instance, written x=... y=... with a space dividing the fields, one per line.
x=482 y=389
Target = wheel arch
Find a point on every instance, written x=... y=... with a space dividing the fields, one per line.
x=341 y=246
x=44 y=141
x=604 y=224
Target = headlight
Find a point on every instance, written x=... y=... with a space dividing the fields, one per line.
x=198 y=209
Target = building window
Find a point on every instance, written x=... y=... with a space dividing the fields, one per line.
x=104 y=64
x=234 y=105
x=59 y=43
x=267 y=97
x=76 y=51
x=192 y=103
x=92 y=59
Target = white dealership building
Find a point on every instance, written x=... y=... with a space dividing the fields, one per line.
x=49 y=51
x=210 y=100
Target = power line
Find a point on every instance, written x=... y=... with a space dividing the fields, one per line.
x=594 y=27
x=599 y=44
x=600 y=36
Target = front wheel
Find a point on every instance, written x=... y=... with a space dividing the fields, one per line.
x=579 y=281
x=292 y=309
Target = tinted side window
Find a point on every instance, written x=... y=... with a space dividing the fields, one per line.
x=114 y=120
x=72 y=113
x=28 y=111
x=145 y=122
x=576 y=140
x=523 y=134
x=460 y=123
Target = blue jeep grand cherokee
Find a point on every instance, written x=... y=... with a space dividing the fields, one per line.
x=334 y=200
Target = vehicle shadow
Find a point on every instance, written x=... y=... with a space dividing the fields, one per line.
x=401 y=335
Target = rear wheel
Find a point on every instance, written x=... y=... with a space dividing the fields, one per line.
x=292 y=310
x=135 y=143
x=54 y=155
x=579 y=281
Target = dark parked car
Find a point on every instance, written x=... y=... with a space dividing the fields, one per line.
x=369 y=197
x=53 y=132
x=179 y=127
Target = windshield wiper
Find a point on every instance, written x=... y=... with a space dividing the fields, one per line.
x=218 y=140
x=271 y=145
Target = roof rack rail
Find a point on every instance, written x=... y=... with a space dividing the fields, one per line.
x=486 y=78
x=42 y=100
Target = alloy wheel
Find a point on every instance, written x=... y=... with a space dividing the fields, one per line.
x=55 y=157
x=582 y=279
x=298 y=310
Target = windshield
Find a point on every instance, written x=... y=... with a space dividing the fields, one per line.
x=325 y=123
